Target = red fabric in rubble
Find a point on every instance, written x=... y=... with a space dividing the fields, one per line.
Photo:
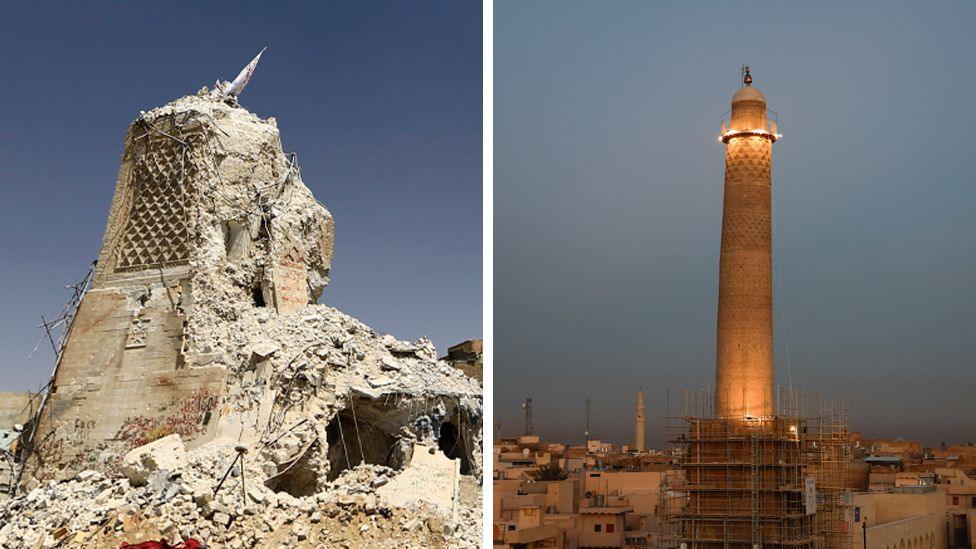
x=161 y=544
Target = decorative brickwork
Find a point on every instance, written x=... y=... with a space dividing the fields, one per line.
x=155 y=233
x=744 y=377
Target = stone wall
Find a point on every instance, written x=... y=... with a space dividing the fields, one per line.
x=13 y=408
x=899 y=520
x=467 y=357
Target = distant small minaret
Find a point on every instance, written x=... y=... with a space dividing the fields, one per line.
x=639 y=438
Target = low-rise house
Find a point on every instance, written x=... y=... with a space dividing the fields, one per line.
x=603 y=526
x=524 y=528
x=959 y=489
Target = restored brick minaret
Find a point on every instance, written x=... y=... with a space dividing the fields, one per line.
x=744 y=363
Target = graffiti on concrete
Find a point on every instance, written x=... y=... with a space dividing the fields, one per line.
x=187 y=416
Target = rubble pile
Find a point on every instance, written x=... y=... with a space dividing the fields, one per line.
x=93 y=510
x=323 y=430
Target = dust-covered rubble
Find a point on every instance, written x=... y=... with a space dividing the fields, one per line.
x=92 y=510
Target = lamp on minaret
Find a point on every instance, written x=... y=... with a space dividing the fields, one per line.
x=744 y=351
x=639 y=420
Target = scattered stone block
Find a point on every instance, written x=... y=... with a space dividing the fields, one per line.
x=166 y=453
x=430 y=477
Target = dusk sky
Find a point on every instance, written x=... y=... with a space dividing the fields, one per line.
x=382 y=103
x=608 y=206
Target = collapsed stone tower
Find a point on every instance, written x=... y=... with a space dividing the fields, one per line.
x=202 y=321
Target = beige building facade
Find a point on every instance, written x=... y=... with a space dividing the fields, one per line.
x=911 y=518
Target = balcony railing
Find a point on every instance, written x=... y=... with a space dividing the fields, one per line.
x=770 y=131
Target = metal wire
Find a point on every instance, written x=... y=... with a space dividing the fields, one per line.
x=355 y=422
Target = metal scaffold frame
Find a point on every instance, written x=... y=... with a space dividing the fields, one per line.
x=64 y=322
x=745 y=482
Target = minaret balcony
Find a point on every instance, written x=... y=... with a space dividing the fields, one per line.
x=768 y=129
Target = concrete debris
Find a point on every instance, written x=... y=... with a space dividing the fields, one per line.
x=430 y=477
x=92 y=510
x=167 y=453
x=264 y=348
x=379 y=381
x=202 y=333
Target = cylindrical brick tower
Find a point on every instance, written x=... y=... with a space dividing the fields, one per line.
x=639 y=420
x=744 y=358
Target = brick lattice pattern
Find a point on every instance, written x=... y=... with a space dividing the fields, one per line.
x=156 y=231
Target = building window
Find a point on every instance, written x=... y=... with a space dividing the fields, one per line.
x=597 y=527
x=974 y=502
x=610 y=528
x=955 y=500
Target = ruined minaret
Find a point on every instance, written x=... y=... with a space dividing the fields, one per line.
x=210 y=226
x=639 y=420
x=201 y=320
x=744 y=363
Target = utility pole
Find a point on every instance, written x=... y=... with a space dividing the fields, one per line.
x=528 y=416
x=639 y=422
x=586 y=433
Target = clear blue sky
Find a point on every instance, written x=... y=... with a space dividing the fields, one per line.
x=381 y=101
x=608 y=204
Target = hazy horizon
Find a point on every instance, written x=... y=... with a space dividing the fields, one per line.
x=608 y=206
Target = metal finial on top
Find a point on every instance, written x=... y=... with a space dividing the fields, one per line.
x=747 y=79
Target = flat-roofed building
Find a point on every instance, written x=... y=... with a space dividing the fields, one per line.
x=904 y=517
x=603 y=526
x=467 y=357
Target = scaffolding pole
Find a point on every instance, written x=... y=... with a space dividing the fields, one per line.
x=745 y=483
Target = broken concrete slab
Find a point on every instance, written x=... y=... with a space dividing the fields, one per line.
x=264 y=347
x=430 y=477
x=167 y=453
x=379 y=381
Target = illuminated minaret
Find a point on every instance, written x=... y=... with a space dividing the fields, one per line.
x=639 y=438
x=744 y=363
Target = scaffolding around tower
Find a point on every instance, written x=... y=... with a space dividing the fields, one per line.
x=780 y=481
